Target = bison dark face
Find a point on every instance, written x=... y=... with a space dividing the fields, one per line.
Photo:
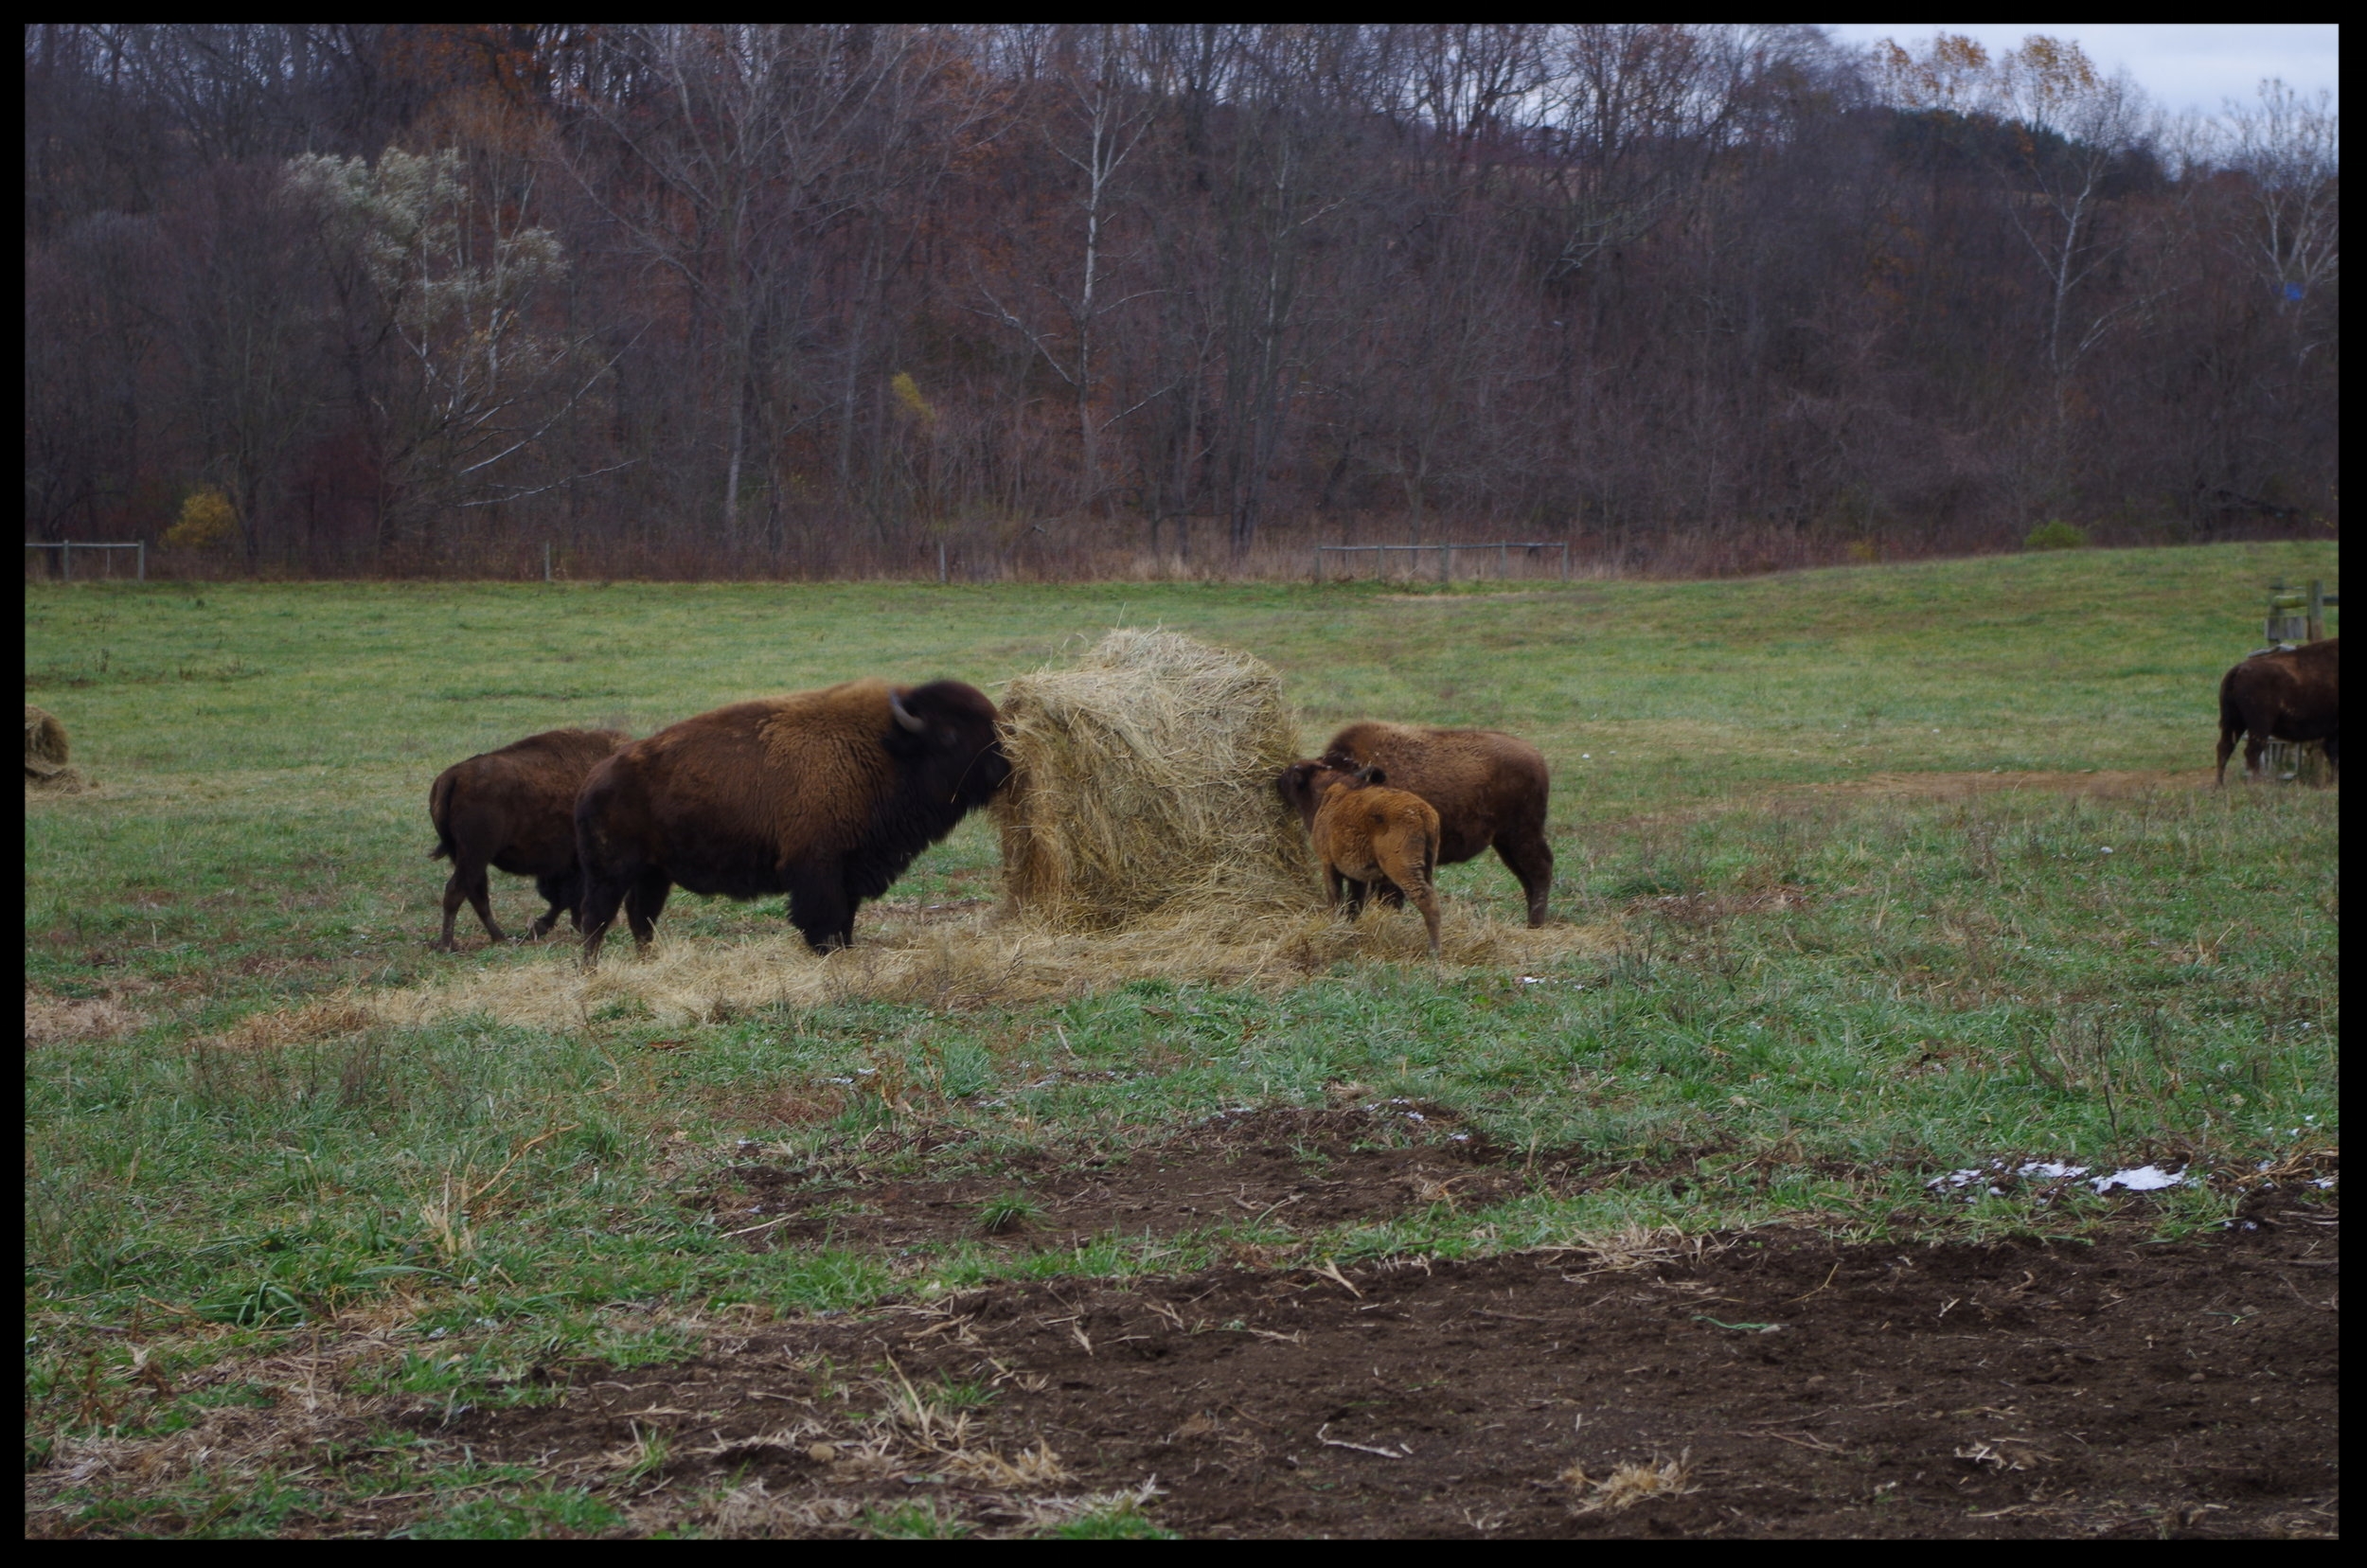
x=1302 y=786
x=945 y=734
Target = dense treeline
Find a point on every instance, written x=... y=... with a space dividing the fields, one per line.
x=1075 y=299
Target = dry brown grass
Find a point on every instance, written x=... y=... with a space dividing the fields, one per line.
x=984 y=958
x=51 y=1020
x=1142 y=785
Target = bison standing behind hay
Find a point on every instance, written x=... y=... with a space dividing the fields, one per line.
x=1490 y=790
x=1142 y=786
x=46 y=751
x=2291 y=694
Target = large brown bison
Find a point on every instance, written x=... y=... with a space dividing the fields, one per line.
x=514 y=809
x=1371 y=837
x=824 y=795
x=2293 y=694
x=1490 y=790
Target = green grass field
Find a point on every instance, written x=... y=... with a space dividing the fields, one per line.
x=1833 y=977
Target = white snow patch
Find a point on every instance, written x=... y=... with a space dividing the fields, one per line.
x=2140 y=1179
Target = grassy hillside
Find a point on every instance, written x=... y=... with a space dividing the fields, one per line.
x=1824 y=976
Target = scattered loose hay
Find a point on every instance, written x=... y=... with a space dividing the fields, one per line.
x=1627 y=1484
x=1142 y=787
x=45 y=751
x=981 y=959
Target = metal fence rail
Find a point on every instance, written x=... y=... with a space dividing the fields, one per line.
x=65 y=549
x=1446 y=555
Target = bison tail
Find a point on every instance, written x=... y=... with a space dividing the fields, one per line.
x=439 y=812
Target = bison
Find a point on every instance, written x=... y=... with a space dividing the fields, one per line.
x=825 y=795
x=1369 y=836
x=515 y=808
x=2291 y=694
x=1490 y=790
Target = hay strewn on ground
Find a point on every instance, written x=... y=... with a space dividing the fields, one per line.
x=46 y=767
x=973 y=960
x=1142 y=787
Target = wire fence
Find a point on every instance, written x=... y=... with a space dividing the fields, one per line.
x=65 y=549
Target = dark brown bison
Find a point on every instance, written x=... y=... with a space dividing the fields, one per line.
x=515 y=810
x=2294 y=694
x=1490 y=790
x=1367 y=835
x=824 y=795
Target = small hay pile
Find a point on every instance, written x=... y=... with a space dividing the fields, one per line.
x=1142 y=787
x=46 y=769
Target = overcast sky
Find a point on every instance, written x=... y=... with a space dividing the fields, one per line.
x=2179 y=64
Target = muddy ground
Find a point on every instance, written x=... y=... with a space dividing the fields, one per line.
x=1302 y=1170
x=1770 y=1384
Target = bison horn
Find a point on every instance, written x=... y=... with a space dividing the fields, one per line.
x=904 y=715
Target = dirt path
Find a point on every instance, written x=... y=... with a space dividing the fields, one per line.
x=1801 y=1388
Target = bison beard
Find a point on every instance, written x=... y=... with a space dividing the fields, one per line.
x=824 y=795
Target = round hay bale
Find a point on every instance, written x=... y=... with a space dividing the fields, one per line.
x=1142 y=785
x=46 y=751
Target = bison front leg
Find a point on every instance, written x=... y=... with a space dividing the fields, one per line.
x=819 y=907
x=468 y=885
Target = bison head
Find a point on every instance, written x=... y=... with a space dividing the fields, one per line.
x=945 y=733
x=1302 y=786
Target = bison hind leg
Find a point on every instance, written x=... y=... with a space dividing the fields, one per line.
x=468 y=885
x=565 y=894
x=602 y=896
x=1528 y=857
x=644 y=902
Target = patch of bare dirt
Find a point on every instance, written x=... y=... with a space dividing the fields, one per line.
x=1303 y=1169
x=1766 y=1385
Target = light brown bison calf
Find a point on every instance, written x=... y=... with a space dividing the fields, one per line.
x=515 y=810
x=2292 y=695
x=1489 y=789
x=1367 y=835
